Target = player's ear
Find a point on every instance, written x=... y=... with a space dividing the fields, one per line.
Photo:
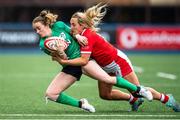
x=80 y=20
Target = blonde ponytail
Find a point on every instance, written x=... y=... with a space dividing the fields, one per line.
x=95 y=14
x=91 y=17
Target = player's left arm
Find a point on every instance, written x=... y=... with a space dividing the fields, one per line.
x=82 y=40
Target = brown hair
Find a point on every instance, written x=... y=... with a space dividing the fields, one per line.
x=46 y=18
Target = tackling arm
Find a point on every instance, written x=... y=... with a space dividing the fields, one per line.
x=81 y=61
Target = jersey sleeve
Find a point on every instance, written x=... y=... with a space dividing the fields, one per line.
x=87 y=48
x=42 y=47
x=63 y=26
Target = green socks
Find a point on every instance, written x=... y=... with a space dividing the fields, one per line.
x=121 y=82
x=68 y=100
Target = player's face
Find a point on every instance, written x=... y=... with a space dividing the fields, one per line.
x=40 y=29
x=76 y=28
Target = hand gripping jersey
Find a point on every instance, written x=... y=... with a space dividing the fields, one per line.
x=60 y=29
x=107 y=56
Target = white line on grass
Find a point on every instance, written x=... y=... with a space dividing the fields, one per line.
x=166 y=75
x=81 y=115
x=138 y=69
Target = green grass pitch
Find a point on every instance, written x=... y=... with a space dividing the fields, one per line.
x=24 y=79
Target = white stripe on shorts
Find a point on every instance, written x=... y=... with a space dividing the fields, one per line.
x=113 y=67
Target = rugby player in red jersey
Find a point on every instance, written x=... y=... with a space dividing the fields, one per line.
x=111 y=60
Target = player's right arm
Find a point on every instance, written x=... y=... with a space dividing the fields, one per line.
x=60 y=51
x=81 y=61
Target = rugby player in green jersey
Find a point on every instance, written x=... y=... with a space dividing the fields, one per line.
x=45 y=26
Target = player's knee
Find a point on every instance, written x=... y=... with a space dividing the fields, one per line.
x=50 y=95
x=108 y=80
x=105 y=96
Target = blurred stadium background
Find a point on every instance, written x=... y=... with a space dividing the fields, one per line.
x=148 y=31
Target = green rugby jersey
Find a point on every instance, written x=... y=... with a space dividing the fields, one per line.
x=60 y=29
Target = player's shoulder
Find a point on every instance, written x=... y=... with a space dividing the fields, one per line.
x=88 y=33
x=59 y=24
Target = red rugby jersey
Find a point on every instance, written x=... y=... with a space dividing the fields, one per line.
x=101 y=50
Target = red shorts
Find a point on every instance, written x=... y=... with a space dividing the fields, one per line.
x=120 y=66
